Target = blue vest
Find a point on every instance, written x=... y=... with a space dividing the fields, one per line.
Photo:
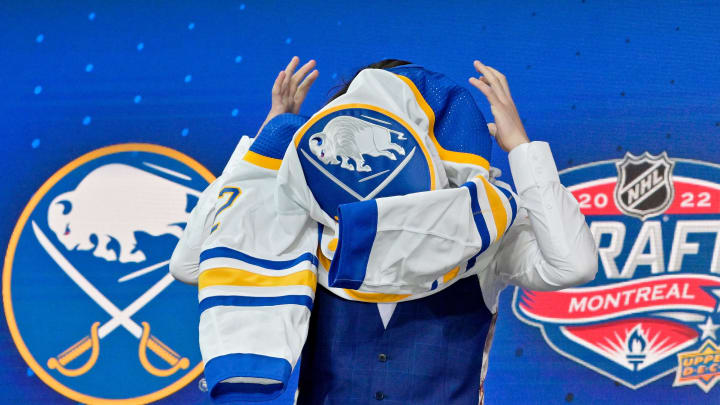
x=430 y=353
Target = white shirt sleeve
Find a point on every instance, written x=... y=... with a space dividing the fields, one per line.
x=550 y=246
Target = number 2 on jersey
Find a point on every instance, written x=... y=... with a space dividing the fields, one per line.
x=234 y=192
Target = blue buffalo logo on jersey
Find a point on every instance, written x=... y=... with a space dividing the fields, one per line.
x=654 y=306
x=356 y=154
x=88 y=297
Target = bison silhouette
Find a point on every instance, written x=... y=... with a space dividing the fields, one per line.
x=113 y=202
x=349 y=138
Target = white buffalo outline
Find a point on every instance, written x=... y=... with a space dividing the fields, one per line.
x=347 y=138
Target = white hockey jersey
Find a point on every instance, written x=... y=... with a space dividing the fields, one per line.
x=356 y=199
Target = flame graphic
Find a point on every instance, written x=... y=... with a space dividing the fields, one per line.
x=636 y=342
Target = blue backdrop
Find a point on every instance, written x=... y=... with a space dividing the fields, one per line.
x=596 y=79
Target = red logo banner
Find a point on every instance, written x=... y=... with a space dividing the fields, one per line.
x=589 y=304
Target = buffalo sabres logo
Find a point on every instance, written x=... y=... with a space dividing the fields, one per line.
x=644 y=188
x=88 y=297
x=351 y=138
x=356 y=154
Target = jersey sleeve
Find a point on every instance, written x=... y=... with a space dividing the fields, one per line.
x=257 y=278
x=184 y=263
x=456 y=126
x=419 y=242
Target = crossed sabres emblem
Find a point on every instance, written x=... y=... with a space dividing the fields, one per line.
x=119 y=318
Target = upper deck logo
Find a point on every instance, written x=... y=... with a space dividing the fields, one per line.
x=351 y=153
x=701 y=367
x=644 y=188
x=87 y=294
x=654 y=306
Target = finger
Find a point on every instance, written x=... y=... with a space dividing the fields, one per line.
x=278 y=83
x=277 y=90
x=486 y=90
x=298 y=76
x=484 y=79
x=303 y=89
x=492 y=128
x=506 y=91
x=494 y=81
x=290 y=68
x=487 y=76
x=503 y=80
x=492 y=78
x=307 y=82
x=292 y=65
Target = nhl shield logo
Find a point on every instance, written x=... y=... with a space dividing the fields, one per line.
x=644 y=188
x=358 y=152
x=87 y=294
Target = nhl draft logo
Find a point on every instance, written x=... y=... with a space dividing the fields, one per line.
x=87 y=294
x=644 y=188
x=654 y=306
x=350 y=153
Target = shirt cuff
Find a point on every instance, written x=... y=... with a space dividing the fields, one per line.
x=532 y=164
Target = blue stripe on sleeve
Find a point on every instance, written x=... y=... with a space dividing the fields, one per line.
x=513 y=204
x=358 y=226
x=245 y=301
x=478 y=216
x=228 y=253
x=246 y=365
x=471 y=262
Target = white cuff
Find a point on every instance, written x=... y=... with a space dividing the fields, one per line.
x=532 y=164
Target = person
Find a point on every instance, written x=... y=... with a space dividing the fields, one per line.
x=432 y=346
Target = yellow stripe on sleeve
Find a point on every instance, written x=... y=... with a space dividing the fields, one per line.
x=357 y=295
x=446 y=155
x=262 y=161
x=496 y=206
x=324 y=261
x=375 y=297
x=451 y=274
x=229 y=276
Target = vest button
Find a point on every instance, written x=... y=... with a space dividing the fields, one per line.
x=379 y=396
x=382 y=357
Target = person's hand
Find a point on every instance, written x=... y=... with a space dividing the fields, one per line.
x=508 y=129
x=290 y=89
